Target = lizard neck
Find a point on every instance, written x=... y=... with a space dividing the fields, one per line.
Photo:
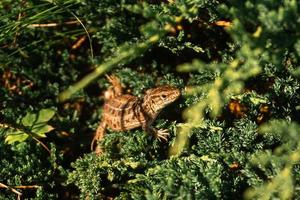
x=148 y=108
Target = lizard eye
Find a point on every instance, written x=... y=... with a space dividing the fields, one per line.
x=164 y=96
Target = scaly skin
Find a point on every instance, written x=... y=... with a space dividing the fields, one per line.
x=123 y=112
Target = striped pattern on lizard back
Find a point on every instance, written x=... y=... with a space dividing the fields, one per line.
x=123 y=113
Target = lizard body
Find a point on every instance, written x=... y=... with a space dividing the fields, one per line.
x=123 y=112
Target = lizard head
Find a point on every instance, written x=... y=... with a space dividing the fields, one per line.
x=160 y=97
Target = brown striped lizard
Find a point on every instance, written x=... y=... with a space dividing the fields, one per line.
x=123 y=112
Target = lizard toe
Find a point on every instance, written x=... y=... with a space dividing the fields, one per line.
x=162 y=135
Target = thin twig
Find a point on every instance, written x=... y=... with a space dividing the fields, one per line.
x=20 y=186
x=11 y=189
x=87 y=33
x=41 y=143
x=79 y=42
x=20 y=128
x=27 y=186
x=57 y=3
x=52 y=24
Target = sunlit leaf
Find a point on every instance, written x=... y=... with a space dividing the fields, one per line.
x=45 y=115
x=41 y=129
x=16 y=136
x=29 y=119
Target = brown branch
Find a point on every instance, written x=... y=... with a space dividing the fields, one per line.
x=20 y=186
x=79 y=42
x=27 y=186
x=11 y=189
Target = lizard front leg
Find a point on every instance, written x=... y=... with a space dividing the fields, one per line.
x=99 y=135
x=160 y=134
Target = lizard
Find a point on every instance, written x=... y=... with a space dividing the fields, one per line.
x=123 y=112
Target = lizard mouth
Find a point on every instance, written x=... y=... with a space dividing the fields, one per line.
x=170 y=95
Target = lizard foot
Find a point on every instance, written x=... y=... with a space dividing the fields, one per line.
x=162 y=134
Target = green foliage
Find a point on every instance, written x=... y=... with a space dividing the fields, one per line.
x=200 y=180
x=233 y=133
x=35 y=124
x=25 y=164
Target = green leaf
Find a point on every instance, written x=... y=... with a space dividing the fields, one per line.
x=45 y=115
x=29 y=119
x=41 y=129
x=110 y=176
x=16 y=136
